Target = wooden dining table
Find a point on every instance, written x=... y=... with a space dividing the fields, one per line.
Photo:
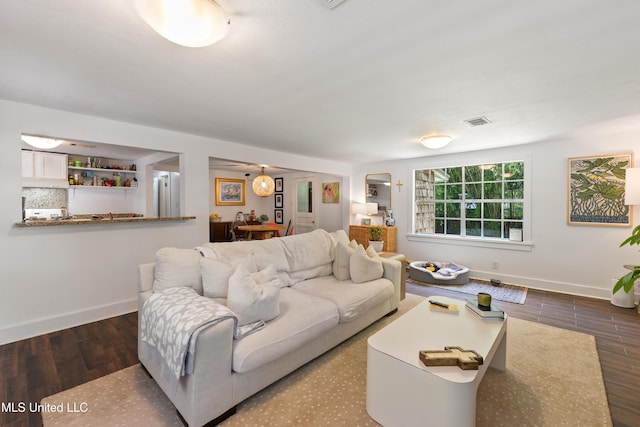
x=267 y=231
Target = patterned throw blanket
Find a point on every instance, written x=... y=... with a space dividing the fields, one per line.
x=169 y=325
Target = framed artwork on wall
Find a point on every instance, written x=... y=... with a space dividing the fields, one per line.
x=279 y=184
x=278 y=215
x=279 y=201
x=596 y=190
x=330 y=192
x=230 y=192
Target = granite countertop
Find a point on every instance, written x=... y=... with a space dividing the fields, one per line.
x=97 y=219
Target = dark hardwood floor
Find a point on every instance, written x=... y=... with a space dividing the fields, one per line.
x=38 y=367
x=44 y=365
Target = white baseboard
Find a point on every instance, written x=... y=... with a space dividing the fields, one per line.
x=546 y=285
x=66 y=320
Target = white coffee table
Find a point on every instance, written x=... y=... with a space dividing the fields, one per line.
x=401 y=391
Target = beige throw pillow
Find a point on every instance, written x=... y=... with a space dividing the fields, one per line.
x=177 y=267
x=216 y=274
x=365 y=266
x=254 y=296
x=342 y=256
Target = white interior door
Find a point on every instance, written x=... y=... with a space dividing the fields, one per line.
x=305 y=206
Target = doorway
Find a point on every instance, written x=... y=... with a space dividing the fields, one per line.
x=305 y=205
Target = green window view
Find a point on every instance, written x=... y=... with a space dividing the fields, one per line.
x=479 y=200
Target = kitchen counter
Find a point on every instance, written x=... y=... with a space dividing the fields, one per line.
x=91 y=220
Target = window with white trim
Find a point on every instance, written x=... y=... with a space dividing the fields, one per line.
x=482 y=201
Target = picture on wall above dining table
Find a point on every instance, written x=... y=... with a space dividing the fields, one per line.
x=230 y=192
x=279 y=185
x=596 y=190
x=279 y=201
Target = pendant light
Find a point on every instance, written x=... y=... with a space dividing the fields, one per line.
x=263 y=185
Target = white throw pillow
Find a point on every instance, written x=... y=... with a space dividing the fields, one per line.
x=365 y=266
x=216 y=274
x=254 y=296
x=177 y=267
x=342 y=257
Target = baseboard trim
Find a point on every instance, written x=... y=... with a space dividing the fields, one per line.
x=545 y=285
x=66 y=320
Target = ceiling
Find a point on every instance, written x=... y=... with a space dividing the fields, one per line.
x=360 y=82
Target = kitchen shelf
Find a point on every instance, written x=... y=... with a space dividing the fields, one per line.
x=82 y=168
x=106 y=187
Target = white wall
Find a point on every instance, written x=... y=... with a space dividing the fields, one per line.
x=57 y=277
x=570 y=259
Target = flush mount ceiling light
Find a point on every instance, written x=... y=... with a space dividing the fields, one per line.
x=435 y=141
x=41 y=142
x=190 y=23
x=263 y=185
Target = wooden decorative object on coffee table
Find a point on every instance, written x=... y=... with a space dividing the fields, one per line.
x=451 y=356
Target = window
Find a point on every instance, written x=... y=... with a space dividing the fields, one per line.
x=482 y=201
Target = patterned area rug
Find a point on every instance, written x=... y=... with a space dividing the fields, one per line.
x=553 y=377
x=504 y=292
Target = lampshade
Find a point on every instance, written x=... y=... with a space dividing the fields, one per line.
x=435 y=141
x=358 y=208
x=41 y=142
x=190 y=23
x=372 y=208
x=263 y=185
x=632 y=187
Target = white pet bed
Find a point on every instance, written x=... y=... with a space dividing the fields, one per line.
x=448 y=273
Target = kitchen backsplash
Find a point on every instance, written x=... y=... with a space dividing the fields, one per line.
x=44 y=198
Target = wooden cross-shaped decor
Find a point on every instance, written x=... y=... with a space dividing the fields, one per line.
x=399 y=184
x=451 y=356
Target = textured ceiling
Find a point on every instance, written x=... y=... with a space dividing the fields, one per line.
x=360 y=82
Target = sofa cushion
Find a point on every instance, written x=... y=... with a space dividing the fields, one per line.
x=254 y=296
x=352 y=299
x=339 y=236
x=342 y=257
x=365 y=265
x=177 y=267
x=302 y=318
x=216 y=274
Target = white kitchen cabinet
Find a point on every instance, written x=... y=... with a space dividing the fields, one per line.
x=42 y=169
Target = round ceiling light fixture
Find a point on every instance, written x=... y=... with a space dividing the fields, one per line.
x=41 y=141
x=435 y=141
x=190 y=23
x=263 y=185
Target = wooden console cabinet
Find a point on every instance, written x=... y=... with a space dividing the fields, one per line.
x=220 y=231
x=360 y=233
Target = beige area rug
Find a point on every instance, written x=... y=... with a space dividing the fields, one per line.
x=505 y=292
x=553 y=378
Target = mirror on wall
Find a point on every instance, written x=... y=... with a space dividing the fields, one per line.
x=378 y=190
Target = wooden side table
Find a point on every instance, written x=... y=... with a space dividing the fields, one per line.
x=360 y=233
x=403 y=273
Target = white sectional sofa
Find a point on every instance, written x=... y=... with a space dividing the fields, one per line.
x=317 y=311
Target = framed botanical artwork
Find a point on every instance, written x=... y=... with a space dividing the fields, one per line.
x=278 y=215
x=596 y=190
x=279 y=184
x=330 y=192
x=279 y=200
x=230 y=192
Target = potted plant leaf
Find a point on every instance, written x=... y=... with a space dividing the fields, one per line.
x=264 y=218
x=375 y=238
x=628 y=281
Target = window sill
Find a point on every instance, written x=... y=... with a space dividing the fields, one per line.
x=472 y=241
